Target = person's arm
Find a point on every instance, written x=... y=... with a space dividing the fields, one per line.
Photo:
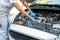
x=25 y=4
x=21 y=10
x=14 y=2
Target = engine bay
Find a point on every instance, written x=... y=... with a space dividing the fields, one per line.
x=46 y=17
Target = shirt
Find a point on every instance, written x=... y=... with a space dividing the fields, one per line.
x=7 y=3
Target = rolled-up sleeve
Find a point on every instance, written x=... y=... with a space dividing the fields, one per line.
x=13 y=1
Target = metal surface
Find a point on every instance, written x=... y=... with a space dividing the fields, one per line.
x=31 y=32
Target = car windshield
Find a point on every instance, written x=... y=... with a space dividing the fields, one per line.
x=55 y=2
x=47 y=1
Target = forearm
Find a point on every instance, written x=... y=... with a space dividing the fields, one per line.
x=21 y=10
x=25 y=4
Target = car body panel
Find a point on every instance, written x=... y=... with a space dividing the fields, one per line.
x=38 y=34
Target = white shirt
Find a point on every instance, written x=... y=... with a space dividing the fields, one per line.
x=7 y=3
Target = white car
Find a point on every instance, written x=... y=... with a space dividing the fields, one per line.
x=20 y=32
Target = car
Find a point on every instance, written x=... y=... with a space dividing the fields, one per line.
x=27 y=32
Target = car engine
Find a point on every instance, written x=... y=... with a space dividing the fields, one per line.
x=46 y=17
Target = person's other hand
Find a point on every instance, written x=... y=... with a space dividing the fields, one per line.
x=32 y=13
x=32 y=19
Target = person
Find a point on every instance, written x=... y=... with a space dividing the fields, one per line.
x=5 y=6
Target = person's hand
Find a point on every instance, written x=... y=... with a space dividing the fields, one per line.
x=32 y=19
x=32 y=13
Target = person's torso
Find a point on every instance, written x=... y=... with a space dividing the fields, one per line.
x=6 y=3
x=5 y=7
x=4 y=10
